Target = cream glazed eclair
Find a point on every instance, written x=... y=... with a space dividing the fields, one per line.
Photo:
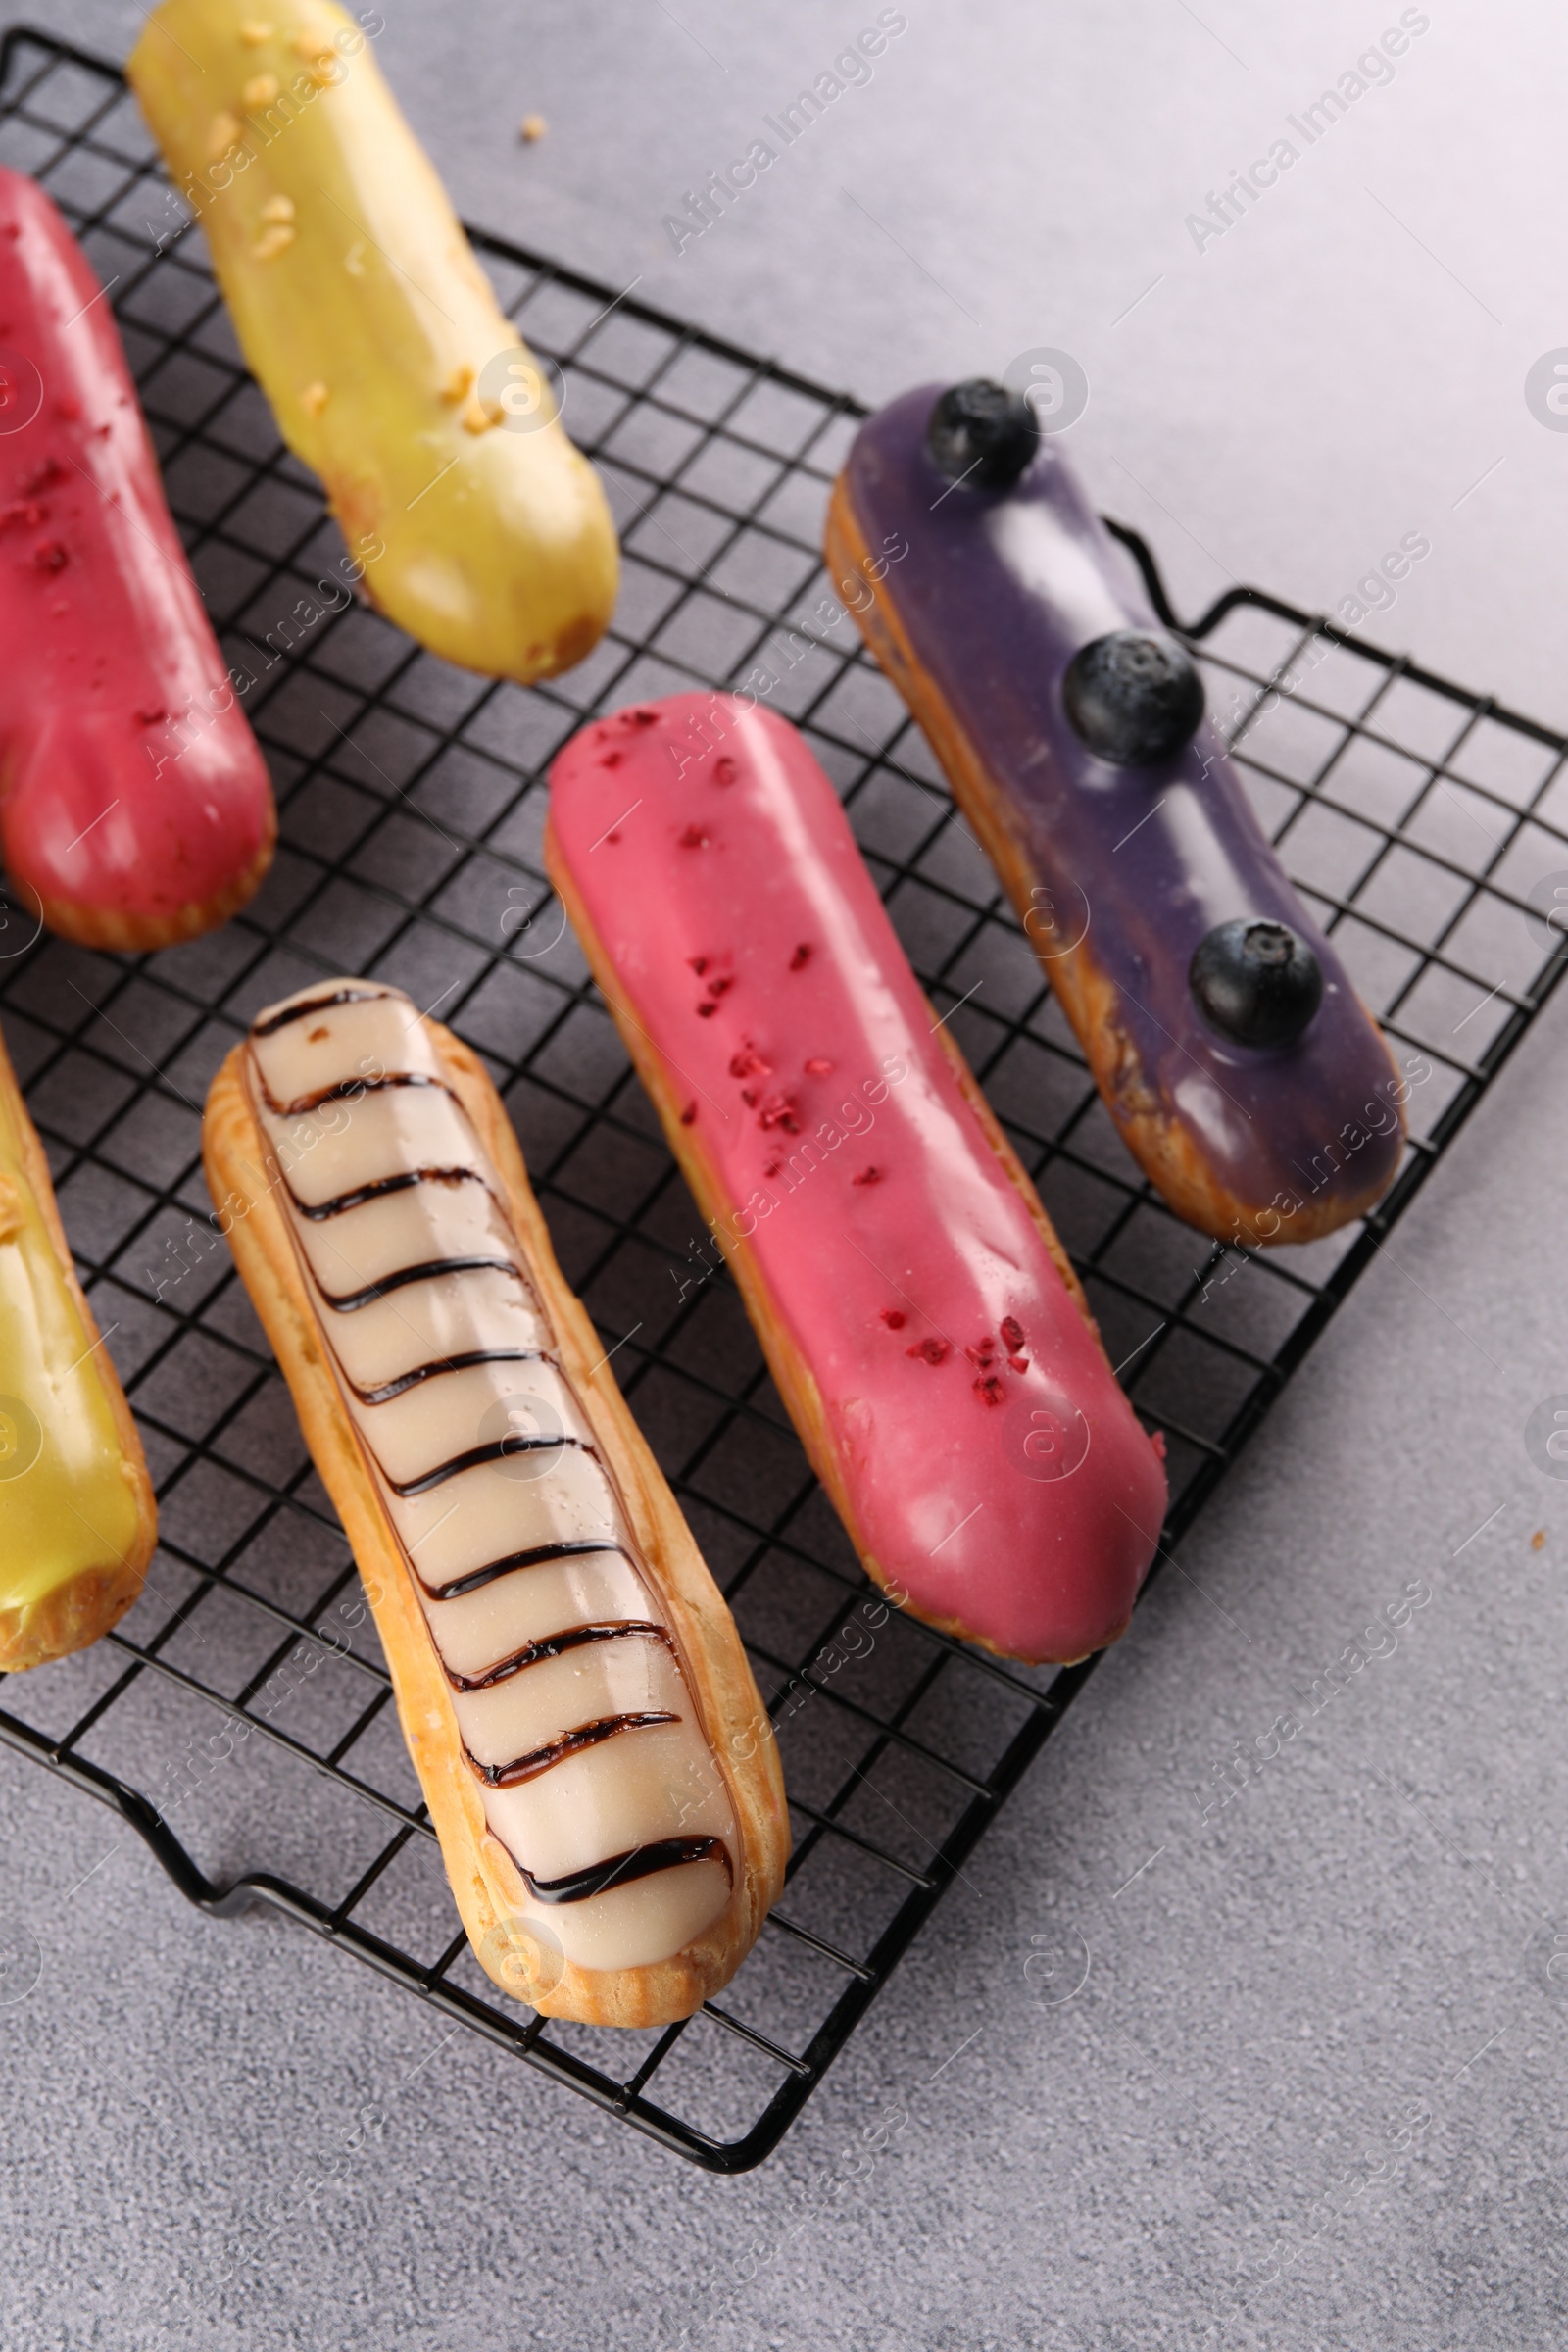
x=570 y=1683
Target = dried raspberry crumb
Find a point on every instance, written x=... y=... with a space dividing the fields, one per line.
x=802 y=956
x=640 y=719
x=749 y=1064
x=68 y=409
x=1013 y=1330
x=612 y=837
x=816 y=1067
x=22 y=514
x=150 y=713
x=931 y=1351
x=609 y=759
x=51 y=554
x=707 y=1009
x=688 y=1116
x=721 y=984
x=698 y=964
x=41 y=477
x=779 y=1111
x=867 y=1176
x=1156 y=1438
x=989 y=1388
x=694 y=838
x=1019 y=1364
x=893 y=1317
x=726 y=770
x=749 y=1096
x=981 y=1353
x=771 y=1167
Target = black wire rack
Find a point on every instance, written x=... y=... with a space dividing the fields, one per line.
x=238 y=1718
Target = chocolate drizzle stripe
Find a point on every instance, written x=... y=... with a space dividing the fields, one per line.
x=301 y=1013
x=346 y=1089
x=555 y=1646
x=343 y=1202
x=571 y=1743
x=499 y=1450
x=667 y=1853
x=464 y=1362
x=425 y=1271
x=473 y=1578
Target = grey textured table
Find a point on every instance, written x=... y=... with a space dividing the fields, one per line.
x=1308 y=2095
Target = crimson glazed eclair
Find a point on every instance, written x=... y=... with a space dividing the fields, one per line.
x=135 y=809
x=1222 y=1029
x=920 y=1319
x=572 y=1688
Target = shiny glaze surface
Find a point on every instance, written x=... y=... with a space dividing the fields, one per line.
x=133 y=784
x=746 y=944
x=67 y=1501
x=999 y=591
x=566 y=1684
x=374 y=333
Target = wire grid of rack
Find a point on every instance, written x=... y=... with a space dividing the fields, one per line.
x=239 y=1718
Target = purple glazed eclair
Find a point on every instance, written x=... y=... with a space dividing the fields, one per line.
x=1246 y=1076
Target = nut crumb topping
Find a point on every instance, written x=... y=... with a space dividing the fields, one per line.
x=314 y=399
x=260 y=91
x=272 y=241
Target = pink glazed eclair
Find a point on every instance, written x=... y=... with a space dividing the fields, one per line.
x=920 y=1316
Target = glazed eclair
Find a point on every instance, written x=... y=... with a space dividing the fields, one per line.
x=921 y=1321
x=1219 y=1020
x=77 y=1520
x=369 y=325
x=135 y=806
x=571 y=1685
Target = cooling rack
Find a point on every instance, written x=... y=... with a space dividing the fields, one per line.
x=238 y=1719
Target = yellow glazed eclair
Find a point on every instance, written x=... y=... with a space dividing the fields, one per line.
x=570 y=1683
x=78 y=1522
x=374 y=333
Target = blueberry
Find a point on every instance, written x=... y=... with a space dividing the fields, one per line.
x=1134 y=697
x=982 y=434
x=1255 y=982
